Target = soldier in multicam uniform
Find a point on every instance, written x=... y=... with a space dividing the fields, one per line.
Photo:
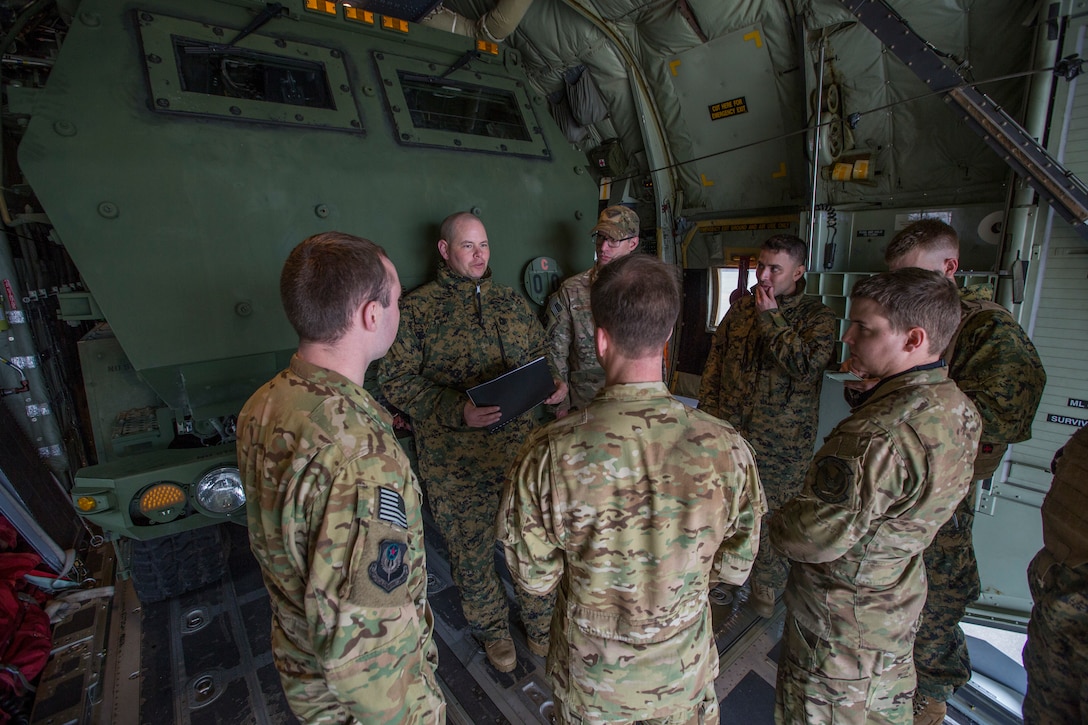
x=763 y=375
x=571 y=351
x=994 y=363
x=1056 y=653
x=461 y=330
x=630 y=508
x=334 y=508
x=884 y=481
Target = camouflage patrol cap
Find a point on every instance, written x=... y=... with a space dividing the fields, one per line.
x=617 y=222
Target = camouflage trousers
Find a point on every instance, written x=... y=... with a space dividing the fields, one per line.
x=703 y=713
x=940 y=650
x=780 y=484
x=466 y=514
x=1056 y=653
x=827 y=683
x=316 y=695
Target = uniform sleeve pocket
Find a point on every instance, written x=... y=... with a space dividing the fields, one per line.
x=380 y=569
x=373 y=612
x=837 y=472
x=381 y=556
x=364 y=636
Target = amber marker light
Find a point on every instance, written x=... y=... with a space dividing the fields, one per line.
x=161 y=500
x=86 y=504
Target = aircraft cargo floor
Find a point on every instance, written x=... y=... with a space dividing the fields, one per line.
x=205 y=657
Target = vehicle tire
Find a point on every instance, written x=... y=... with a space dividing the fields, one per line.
x=172 y=565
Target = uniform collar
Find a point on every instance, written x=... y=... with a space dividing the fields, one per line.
x=633 y=391
x=448 y=278
x=927 y=374
x=974 y=292
x=337 y=384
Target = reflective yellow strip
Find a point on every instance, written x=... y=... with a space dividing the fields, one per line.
x=841 y=172
x=485 y=46
x=359 y=16
x=397 y=24
x=322 y=6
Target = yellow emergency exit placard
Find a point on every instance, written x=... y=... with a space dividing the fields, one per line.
x=725 y=109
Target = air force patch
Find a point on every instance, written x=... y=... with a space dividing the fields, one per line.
x=389 y=571
x=834 y=480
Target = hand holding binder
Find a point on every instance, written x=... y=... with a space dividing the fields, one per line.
x=481 y=416
x=515 y=392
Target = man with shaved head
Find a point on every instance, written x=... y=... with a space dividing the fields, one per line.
x=456 y=332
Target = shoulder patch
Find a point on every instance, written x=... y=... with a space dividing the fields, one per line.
x=556 y=308
x=389 y=571
x=391 y=507
x=833 y=481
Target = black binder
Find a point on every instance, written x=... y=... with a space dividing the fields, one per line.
x=515 y=391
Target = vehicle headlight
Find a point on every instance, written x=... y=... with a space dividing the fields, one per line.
x=220 y=490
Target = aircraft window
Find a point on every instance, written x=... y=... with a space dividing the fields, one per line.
x=237 y=73
x=723 y=282
x=463 y=108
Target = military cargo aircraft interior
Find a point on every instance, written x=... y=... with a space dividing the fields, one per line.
x=160 y=159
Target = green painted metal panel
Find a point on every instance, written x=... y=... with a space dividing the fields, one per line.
x=180 y=224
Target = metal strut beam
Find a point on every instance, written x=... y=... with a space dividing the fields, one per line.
x=1058 y=186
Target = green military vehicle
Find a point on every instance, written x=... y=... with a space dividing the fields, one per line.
x=180 y=150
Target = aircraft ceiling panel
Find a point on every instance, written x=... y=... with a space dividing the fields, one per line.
x=730 y=104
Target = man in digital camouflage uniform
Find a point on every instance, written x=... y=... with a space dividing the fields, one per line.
x=458 y=331
x=763 y=375
x=1056 y=653
x=571 y=351
x=995 y=364
x=630 y=508
x=334 y=508
x=884 y=481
